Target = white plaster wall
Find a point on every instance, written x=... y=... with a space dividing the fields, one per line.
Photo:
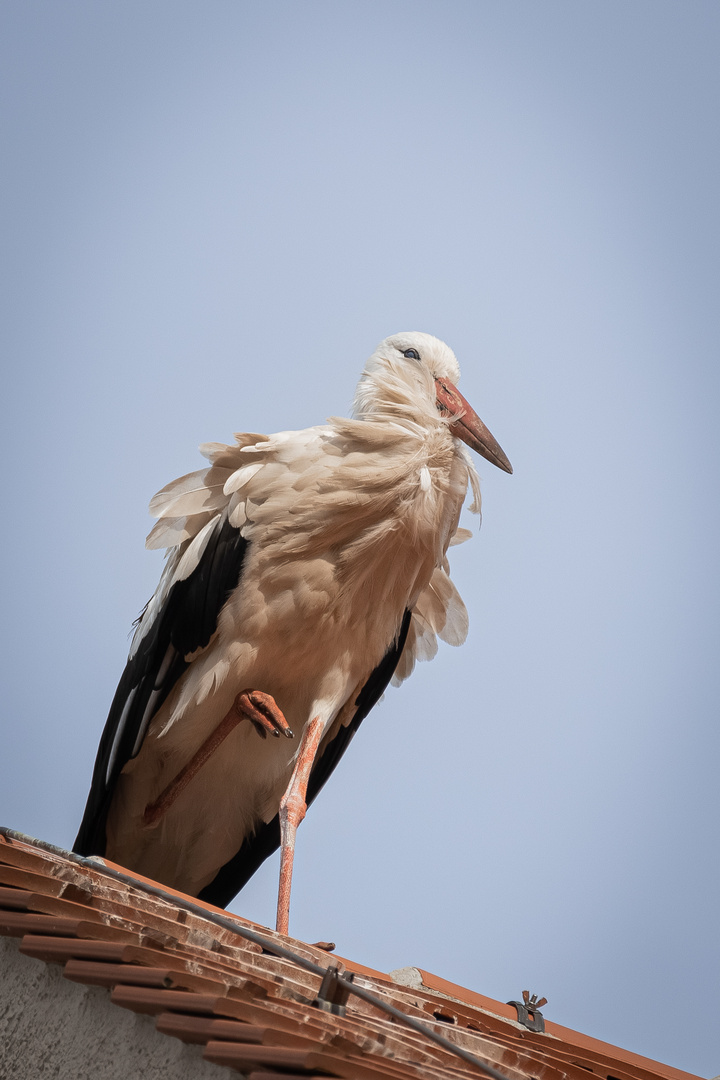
x=50 y=1027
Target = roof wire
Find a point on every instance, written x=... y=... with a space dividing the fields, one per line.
x=95 y=862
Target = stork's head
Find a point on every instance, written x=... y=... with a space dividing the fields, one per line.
x=412 y=378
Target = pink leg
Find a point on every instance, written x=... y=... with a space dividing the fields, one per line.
x=292 y=811
x=253 y=705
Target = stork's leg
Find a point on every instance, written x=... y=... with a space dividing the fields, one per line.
x=292 y=811
x=253 y=705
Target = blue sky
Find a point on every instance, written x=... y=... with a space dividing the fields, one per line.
x=212 y=214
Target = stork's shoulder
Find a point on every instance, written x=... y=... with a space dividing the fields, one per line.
x=186 y=505
x=215 y=505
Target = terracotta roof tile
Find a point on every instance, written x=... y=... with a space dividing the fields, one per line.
x=251 y=1011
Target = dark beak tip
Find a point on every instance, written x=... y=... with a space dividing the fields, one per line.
x=496 y=456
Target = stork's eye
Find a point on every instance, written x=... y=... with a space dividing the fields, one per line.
x=411 y=354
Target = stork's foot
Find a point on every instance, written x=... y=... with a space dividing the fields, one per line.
x=263 y=713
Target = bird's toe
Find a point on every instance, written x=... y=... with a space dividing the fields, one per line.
x=263 y=712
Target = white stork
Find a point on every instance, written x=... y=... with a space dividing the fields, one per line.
x=305 y=570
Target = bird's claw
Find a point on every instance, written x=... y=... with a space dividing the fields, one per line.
x=263 y=713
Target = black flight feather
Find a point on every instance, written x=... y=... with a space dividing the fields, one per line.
x=186 y=622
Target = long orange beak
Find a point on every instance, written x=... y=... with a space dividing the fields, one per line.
x=468 y=426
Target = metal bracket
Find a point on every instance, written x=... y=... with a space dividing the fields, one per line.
x=528 y=1011
x=332 y=995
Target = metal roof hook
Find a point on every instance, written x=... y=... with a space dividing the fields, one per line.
x=333 y=993
x=528 y=1011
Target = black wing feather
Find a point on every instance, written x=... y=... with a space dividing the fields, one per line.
x=185 y=623
x=230 y=879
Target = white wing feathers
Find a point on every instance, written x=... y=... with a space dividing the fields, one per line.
x=186 y=506
x=243 y=483
x=192 y=507
x=438 y=613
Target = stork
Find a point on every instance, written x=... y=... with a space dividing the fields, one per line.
x=304 y=571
